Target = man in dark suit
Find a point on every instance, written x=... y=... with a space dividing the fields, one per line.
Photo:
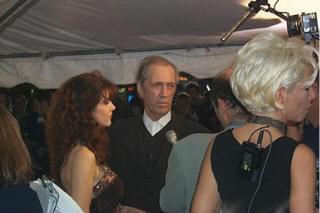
x=139 y=147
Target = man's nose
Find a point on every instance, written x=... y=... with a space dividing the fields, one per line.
x=165 y=90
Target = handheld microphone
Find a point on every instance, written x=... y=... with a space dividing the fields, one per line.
x=171 y=136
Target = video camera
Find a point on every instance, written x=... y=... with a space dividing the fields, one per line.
x=305 y=24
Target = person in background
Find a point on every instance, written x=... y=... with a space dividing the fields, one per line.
x=122 y=109
x=39 y=153
x=197 y=101
x=40 y=103
x=15 y=169
x=193 y=89
x=138 y=146
x=210 y=120
x=5 y=98
x=186 y=156
x=182 y=106
x=135 y=107
x=311 y=125
x=272 y=78
x=75 y=132
x=19 y=111
x=311 y=132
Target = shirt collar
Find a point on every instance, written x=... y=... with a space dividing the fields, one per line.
x=154 y=127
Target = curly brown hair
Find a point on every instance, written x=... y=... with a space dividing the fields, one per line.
x=70 y=120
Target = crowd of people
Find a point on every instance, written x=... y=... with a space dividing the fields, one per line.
x=235 y=148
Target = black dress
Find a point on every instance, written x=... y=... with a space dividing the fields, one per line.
x=107 y=193
x=17 y=198
x=236 y=192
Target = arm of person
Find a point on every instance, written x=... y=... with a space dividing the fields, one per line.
x=303 y=180
x=82 y=177
x=206 y=198
x=172 y=195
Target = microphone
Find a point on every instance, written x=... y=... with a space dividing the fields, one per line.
x=243 y=18
x=171 y=136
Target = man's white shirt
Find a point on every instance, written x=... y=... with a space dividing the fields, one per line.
x=154 y=127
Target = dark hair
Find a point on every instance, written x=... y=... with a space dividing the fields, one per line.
x=70 y=120
x=5 y=94
x=220 y=88
x=193 y=85
x=42 y=96
x=153 y=60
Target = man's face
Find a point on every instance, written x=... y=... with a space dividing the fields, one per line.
x=157 y=90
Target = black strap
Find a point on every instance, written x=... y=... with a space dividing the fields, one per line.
x=269 y=121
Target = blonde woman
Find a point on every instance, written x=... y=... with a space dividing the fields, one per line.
x=272 y=78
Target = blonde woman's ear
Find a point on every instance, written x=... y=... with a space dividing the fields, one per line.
x=281 y=97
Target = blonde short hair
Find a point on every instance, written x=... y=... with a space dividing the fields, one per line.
x=266 y=63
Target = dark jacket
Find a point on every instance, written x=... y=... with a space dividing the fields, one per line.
x=141 y=159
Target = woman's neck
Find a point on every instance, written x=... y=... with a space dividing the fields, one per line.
x=269 y=121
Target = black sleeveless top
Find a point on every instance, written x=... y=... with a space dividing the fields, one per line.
x=236 y=192
x=16 y=198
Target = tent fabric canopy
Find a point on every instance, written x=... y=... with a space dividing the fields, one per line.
x=120 y=69
x=67 y=25
x=44 y=42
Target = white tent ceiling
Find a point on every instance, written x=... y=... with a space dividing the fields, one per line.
x=45 y=42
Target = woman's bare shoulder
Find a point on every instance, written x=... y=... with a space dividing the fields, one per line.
x=83 y=154
x=304 y=154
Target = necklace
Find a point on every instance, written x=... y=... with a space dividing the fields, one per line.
x=257 y=119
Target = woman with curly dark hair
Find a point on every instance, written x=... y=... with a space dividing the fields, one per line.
x=75 y=131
